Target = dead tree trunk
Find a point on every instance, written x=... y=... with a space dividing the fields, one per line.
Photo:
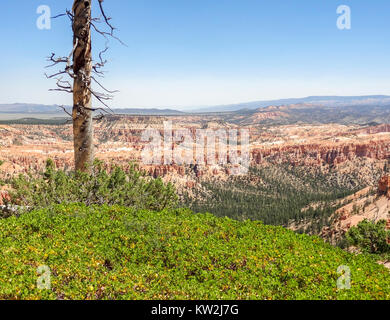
x=82 y=95
x=83 y=72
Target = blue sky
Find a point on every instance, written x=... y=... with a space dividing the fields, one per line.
x=192 y=53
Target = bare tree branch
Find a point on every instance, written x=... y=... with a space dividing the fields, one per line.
x=65 y=85
x=63 y=108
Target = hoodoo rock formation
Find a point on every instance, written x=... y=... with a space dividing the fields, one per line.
x=118 y=139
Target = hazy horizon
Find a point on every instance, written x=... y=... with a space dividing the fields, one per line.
x=204 y=107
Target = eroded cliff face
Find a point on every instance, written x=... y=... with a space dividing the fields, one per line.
x=371 y=204
x=325 y=144
x=384 y=186
x=118 y=140
x=324 y=153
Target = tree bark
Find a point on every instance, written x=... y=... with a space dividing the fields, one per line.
x=82 y=96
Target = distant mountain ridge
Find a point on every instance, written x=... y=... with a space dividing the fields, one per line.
x=328 y=101
x=25 y=108
x=29 y=108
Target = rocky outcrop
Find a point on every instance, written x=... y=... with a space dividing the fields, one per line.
x=331 y=154
x=363 y=205
x=384 y=186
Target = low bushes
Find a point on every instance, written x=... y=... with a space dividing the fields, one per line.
x=119 y=187
x=103 y=252
x=370 y=237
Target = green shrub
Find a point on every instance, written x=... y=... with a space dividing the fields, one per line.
x=119 y=187
x=370 y=237
x=120 y=253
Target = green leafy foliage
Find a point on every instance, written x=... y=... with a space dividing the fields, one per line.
x=112 y=252
x=119 y=187
x=370 y=237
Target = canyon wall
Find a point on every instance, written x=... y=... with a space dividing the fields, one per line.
x=118 y=140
